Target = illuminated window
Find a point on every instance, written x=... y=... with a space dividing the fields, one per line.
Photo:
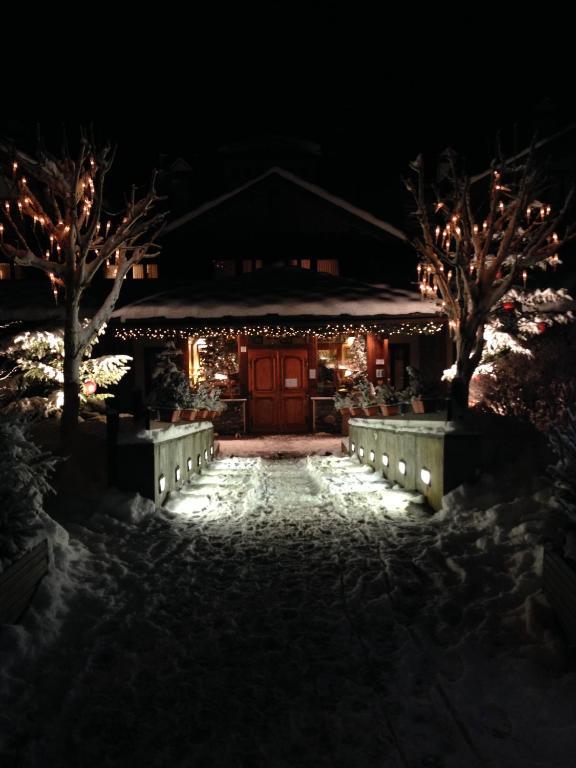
x=247 y=265
x=305 y=263
x=152 y=271
x=110 y=271
x=328 y=265
x=5 y=272
x=138 y=272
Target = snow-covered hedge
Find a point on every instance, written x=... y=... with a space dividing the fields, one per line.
x=24 y=483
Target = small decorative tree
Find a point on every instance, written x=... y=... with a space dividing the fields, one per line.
x=357 y=356
x=55 y=224
x=478 y=238
x=170 y=385
x=215 y=357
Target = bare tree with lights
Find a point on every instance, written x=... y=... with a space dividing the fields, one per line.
x=55 y=223
x=479 y=236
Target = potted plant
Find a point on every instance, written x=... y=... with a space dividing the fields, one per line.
x=206 y=401
x=388 y=400
x=365 y=397
x=343 y=403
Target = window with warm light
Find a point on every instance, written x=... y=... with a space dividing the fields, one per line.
x=5 y=273
x=152 y=271
x=138 y=272
x=330 y=266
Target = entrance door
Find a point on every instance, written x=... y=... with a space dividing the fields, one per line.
x=277 y=383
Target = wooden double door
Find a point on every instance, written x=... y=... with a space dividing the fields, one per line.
x=277 y=381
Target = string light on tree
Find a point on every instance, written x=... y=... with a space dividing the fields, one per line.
x=472 y=266
x=58 y=195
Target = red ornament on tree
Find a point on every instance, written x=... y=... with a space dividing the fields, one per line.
x=89 y=387
x=542 y=326
x=508 y=306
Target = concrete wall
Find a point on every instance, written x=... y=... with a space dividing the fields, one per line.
x=451 y=457
x=142 y=459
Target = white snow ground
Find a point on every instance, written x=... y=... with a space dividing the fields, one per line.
x=287 y=613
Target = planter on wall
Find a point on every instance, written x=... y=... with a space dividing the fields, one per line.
x=387 y=409
x=418 y=405
x=168 y=414
x=370 y=410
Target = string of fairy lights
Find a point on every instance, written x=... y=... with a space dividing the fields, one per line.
x=435 y=279
x=27 y=219
x=327 y=331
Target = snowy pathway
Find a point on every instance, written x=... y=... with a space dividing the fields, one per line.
x=276 y=615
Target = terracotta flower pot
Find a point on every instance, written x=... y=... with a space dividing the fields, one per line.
x=188 y=414
x=370 y=410
x=418 y=405
x=169 y=414
x=389 y=409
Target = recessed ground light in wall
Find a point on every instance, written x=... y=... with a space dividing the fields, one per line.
x=402 y=467
x=161 y=484
x=211 y=450
x=177 y=474
x=361 y=452
x=385 y=459
x=352 y=447
x=425 y=476
x=199 y=461
x=189 y=464
x=372 y=455
x=205 y=454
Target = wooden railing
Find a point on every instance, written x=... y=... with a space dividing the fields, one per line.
x=19 y=582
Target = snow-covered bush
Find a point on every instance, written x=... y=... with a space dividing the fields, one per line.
x=207 y=398
x=563 y=473
x=537 y=388
x=23 y=486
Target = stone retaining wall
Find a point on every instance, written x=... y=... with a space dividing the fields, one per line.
x=156 y=461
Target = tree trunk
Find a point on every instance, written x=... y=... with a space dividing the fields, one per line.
x=72 y=361
x=468 y=354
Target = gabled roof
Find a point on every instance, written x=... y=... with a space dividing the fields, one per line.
x=282 y=292
x=359 y=213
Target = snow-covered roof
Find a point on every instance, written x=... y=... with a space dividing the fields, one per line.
x=284 y=292
x=359 y=213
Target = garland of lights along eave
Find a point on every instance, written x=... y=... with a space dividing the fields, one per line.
x=277 y=331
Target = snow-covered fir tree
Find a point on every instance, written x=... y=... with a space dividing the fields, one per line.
x=38 y=358
x=170 y=385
